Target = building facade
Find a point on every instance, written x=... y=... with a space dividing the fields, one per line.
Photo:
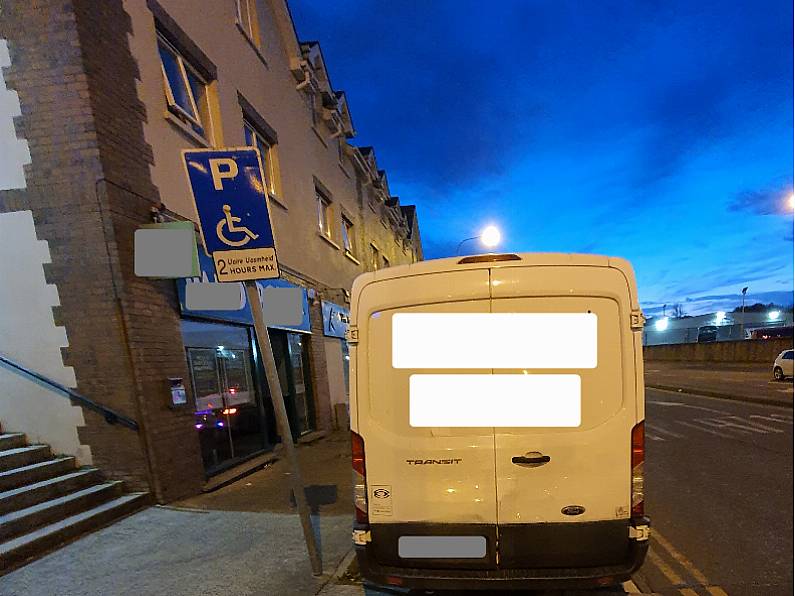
x=99 y=99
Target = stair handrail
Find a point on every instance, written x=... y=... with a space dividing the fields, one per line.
x=110 y=416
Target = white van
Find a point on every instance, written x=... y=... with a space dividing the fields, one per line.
x=497 y=409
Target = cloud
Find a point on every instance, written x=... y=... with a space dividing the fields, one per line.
x=772 y=200
x=715 y=302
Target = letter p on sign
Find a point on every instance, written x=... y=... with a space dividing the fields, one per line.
x=218 y=174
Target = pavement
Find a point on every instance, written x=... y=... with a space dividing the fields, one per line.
x=243 y=539
x=749 y=382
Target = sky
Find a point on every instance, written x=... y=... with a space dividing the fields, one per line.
x=661 y=132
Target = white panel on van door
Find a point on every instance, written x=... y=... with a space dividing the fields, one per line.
x=494 y=400
x=494 y=340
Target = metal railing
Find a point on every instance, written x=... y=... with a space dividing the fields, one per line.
x=110 y=416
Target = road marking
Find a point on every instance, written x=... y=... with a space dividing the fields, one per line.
x=757 y=425
x=666 y=569
x=665 y=431
x=681 y=559
x=716 y=591
x=706 y=430
x=676 y=403
x=723 y=423
x=653 y=437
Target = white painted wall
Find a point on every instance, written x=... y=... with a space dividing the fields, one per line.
x=14 y=151
x=28 y=335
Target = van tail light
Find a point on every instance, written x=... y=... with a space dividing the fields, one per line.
x=638 y=455
x=359 y=479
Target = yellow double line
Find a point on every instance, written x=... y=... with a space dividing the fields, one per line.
x=673 y=576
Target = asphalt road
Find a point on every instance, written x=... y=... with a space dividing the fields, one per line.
x=719 y=492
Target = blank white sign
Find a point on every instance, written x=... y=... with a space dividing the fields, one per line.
x=457 y=400
x=494 y=340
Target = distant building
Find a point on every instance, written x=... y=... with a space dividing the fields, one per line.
x=108 y=94
x=712 y=327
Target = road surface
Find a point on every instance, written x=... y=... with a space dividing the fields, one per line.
x=719 y=492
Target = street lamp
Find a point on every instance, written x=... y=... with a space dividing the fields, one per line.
x=489 y=237
x=773 y=315
x=742 y=323
x=661 y=324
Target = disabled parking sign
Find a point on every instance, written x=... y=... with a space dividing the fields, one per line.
x=232 y=207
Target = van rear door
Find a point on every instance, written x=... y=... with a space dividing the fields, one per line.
x=551 y=479
x=422 y=481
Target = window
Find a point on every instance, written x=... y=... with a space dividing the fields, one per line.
x=323 y=214
x=266 y=149
x=347 y=235
x=186 y=91
x=309 y=97
x=374 y=257
x=787 y=355
x=384 y=262
x=247 y=19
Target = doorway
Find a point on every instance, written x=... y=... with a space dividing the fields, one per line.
x=229 y=414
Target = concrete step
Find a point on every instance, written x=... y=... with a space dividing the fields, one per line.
x=38 y=492
x=27 y=520
x=35 y=472
x=11 y=440
x=47 y=537
x=23 y=456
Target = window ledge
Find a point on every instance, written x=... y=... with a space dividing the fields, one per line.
x=278 y=200
x=352 y=258
x=329 y=240
x=186 y=129
x=319 y=136
x=344 y=171
x=252 y=44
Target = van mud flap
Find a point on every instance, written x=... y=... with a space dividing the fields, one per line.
x=385 y=545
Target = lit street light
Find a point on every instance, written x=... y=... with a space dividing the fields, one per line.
x=661 y=324
x=773 y=315
x=489 y=237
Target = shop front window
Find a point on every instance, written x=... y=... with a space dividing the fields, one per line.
x=229 y=417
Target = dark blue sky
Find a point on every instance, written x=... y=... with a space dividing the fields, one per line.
x=656 y=131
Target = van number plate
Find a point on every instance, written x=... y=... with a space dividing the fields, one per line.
x=442 y=547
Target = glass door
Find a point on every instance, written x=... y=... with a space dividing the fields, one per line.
x=301 y=391
x=230 y=418
x=290 y=352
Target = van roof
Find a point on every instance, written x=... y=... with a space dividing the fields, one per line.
x=492 y=260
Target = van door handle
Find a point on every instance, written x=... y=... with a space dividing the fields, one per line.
x=524 y=460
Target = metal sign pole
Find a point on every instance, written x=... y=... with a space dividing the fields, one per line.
x=283 y=424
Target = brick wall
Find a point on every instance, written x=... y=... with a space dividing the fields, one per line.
x=318 y=368
x=89 y=187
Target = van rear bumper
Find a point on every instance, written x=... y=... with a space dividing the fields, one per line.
x=487 y=575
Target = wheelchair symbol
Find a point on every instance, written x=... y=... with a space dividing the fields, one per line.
x=229 y=222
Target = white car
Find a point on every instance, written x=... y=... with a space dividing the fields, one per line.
x=782 y=367
x=497 y=416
